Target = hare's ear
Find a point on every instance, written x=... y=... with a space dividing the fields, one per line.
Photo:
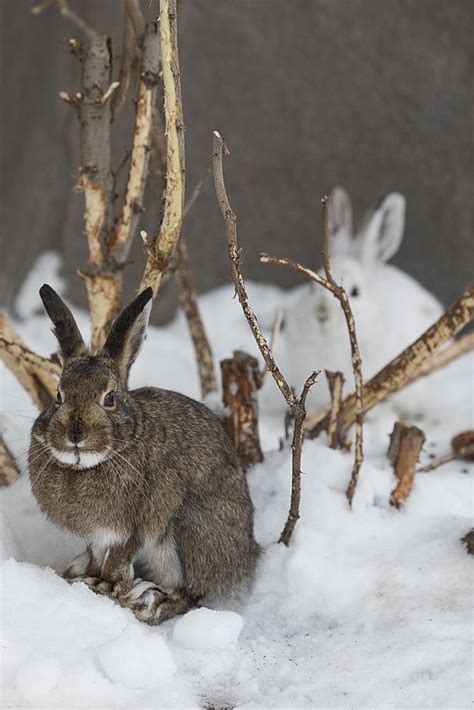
x=382 y=232
x=340 y=220
x=126 y=335
x=65 y=329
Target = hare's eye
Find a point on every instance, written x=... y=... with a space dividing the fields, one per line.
x=354 y=292
x=59 y=399
x=109 y=399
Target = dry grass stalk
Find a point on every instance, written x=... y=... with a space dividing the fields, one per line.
x=406 y=442
x=297 y=406
x=8 y=469
x=241 y=379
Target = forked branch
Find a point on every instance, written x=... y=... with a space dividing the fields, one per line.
x=297 y=406
x=339 y=292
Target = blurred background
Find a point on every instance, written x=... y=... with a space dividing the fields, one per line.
x=374 y=95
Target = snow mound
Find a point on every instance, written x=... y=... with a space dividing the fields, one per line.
x=205 y=629
x=148 y=666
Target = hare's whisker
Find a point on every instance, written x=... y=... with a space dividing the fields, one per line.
x=43 y=467
x=132 y=480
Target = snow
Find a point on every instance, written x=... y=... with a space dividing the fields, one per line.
x=206 y=629
x=367 y=608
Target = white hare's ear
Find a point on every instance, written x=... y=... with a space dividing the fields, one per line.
x=126 y=335
x=382 y=232
x=340 y=221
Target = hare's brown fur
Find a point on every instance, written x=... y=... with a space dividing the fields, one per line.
x=164 y=488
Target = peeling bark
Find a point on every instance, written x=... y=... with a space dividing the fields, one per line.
x=160 y=249
x=405 y=445
x=336 y=383
x=241 y=379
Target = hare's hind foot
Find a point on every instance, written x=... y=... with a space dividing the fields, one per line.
x=152 y=605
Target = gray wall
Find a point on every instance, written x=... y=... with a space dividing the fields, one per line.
x=373 y=94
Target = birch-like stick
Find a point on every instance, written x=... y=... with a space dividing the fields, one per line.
x=37 y=375
x=122 y=234
x=8 y=469
x=160 y=249
x=336 y=383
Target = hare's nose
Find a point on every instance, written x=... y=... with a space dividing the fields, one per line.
x=76 y=436
x=323 y=317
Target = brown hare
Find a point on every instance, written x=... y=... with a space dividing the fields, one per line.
x=147 y=478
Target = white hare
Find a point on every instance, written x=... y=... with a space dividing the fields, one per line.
x=391 y=309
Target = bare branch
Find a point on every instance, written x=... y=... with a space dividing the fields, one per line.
x=67 y=13
x=189 y=304
x=458 y=348
x=161 y=248
x=297 y=407
x=135 y=14
x=129 y=51
x=298 y=435
x=9 y=472
x=462 y=448
x=336 y=383
x=405 y=446
x=196 y=192
x=340 y=293
x=35 y=373
x=230 y=219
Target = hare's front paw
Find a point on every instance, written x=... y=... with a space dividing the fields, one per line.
x=116 y=578
x=153 y=606
x=144 y=599
x=79 y=566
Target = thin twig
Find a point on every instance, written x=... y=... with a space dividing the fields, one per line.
x=277 y=323
x=297 y=407
x=339 y=292
x=196 y=192
x=67 y=13
x=219 y=150
x=298 y=434
x=189 y=303
x=129 y=51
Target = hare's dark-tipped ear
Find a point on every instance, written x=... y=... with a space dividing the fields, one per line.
x=126 y=335
x=340 y=221
x=65 y=328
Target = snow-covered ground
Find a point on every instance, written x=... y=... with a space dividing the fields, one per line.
x=368 y=608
